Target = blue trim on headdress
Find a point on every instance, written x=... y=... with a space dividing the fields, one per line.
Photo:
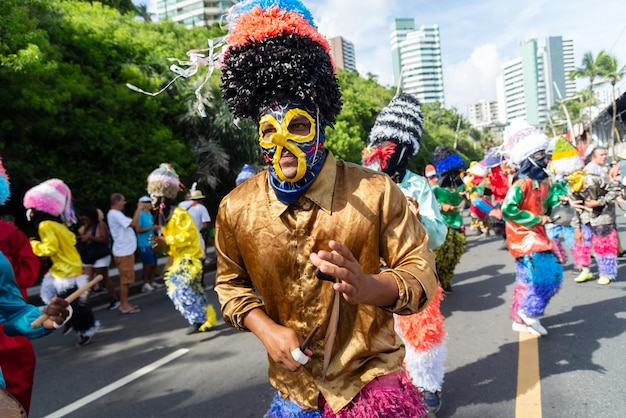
x=288 y=5
x=449 y=163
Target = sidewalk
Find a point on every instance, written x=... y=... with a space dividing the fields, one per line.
x=104 y=298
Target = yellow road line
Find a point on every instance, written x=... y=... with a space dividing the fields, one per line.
x=528 y=400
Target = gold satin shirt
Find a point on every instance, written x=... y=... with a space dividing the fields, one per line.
x=263 y=248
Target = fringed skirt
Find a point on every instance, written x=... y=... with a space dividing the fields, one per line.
x=423 y=335
x=388 y=396
x=538 y=278
x=604 y=242
x=184 y=287
x=83 y=320
x=448 y=255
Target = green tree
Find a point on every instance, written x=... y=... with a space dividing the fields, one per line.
x=612 y=73
x=66 y=111
x=363 y=98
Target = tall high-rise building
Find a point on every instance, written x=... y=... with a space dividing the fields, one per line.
x=532 y=83
x=193 y=13
x=416 y=55
x=343 y=53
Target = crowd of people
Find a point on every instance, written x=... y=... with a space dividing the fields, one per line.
x=339 y=269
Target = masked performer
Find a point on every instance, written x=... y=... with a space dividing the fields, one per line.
x=594 y=224
x=565 y=161
x=450 y=192
x=394 y=140
x=49 y=206
x=309 y=211
x=526 y=209
x=183 y=277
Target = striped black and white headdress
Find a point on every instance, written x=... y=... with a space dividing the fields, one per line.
x=401 y=120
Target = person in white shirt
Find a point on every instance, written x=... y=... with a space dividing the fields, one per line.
x=124 y=246
x=200 y=215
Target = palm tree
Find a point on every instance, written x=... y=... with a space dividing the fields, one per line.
x=142 y=12
x=612 y=73
x=590 y=70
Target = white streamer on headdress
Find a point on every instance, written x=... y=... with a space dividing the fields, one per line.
x=209 y=57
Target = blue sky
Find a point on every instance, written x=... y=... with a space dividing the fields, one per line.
x=477 y=36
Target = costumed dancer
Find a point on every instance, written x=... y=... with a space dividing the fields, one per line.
x=309 y=211
x=477 y=186
x=500 y=182
x=16 y=316
x=538 y=273
x=49 y=206
x=17 y=356
x=450 y=192
x=594 y=195
x=565 y=161
x=183 y=277
x=393 y=141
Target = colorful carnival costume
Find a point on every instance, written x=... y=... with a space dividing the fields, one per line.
x=17 y=356
x=595 y=226
x=183 y=277
x=450 y=193
x=393 y=141
x=277 y=70
x=538 y=274
x=565 y=161
x=477 y=185
x=49 y=206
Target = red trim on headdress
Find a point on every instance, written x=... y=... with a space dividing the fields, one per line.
x=259 y=24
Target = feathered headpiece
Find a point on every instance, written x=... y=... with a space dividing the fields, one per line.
x=275 y=55
x=401 y=120
x=164 y=181
x=53 y=197
x=521 y=140
x=446 y=159
x=5 y=190
x=565 y=158
x=395 y=136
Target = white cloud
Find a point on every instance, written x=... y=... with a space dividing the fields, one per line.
x=472 y=79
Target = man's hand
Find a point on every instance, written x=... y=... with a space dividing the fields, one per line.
x=279 y=341
x=446 y=207
x=592 y=203
x=355 y=286
x=57 y=312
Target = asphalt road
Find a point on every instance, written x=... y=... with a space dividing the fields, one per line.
x=143 y=365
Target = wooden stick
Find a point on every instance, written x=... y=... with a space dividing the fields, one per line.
x=71 y=298
x=309 y=337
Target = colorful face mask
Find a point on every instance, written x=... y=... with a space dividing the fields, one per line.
x=284 y=127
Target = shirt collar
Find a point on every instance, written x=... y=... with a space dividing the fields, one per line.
x=321 y=190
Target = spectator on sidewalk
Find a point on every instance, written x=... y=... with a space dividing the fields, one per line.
x=200 y=215
x=145 y=230
x=96 y=252
x=124 y=246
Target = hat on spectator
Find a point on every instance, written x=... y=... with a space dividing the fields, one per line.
x=144 y=199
